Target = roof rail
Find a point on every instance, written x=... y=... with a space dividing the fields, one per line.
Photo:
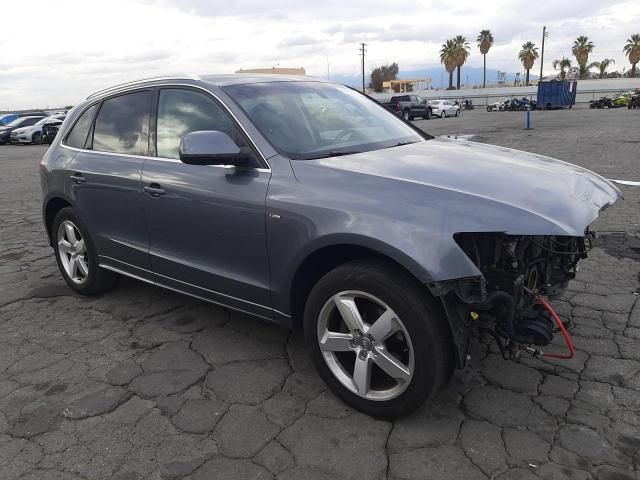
x=143 y=80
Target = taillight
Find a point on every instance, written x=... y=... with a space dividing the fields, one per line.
x=398 y=106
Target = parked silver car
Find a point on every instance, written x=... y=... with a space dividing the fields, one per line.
x=33 y=133
x=444 y=108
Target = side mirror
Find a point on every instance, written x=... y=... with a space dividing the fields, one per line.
x=210 y=147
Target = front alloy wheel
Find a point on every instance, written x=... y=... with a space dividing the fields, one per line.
x=377 y=337
x=365 y=345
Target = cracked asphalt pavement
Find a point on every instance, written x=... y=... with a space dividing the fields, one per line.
x=142 y=383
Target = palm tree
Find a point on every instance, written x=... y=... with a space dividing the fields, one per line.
x=602 y=66
x=448 y=58
x=463 y=50
x=528 y=56
x=485 y=42
x=581 y=49
x=632 y=50
x=563 y=64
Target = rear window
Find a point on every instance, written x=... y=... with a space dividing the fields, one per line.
x=122 y=125
x=78 y=135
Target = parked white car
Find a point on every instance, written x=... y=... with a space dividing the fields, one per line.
x=33 y=133
x=444 y=108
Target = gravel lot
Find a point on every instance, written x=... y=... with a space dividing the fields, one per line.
x=144 y=383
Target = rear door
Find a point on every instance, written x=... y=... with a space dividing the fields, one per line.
x=206 y=223
x=104 y=179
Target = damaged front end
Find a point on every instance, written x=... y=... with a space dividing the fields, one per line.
x=507 y=301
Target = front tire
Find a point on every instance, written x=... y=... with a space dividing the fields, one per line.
x=377 y=338
x=77 y=256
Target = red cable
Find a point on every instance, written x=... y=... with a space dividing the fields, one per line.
x=565 y=334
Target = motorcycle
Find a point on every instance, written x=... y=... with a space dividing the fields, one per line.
x=516 y=105
x=603 y=102
x=496 y=106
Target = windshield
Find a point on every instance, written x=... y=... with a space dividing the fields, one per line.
x=44 y=120
x=305 y=120
x=17 y=122
x=6 y=119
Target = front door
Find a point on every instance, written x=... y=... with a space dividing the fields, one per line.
x=206 y=223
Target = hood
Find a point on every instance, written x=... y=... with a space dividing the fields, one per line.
x=565 y=195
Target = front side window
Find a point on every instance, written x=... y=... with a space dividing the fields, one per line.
x=122 y=125
x=306 y=120
x=24 y=122
x=181 y=111
x=78 y=134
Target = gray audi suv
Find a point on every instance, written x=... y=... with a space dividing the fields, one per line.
x=307 y=204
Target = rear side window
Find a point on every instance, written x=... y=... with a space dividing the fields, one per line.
x=122 y=125
x=182 y=111
x=78 y=135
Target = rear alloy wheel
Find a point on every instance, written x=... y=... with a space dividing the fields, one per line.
x=406 y=115
x=442 y=114
x=76 y=255
x=381 y=346
x=73 y=252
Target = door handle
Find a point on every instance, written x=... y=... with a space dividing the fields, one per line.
x=154 y=190
x=78 y=178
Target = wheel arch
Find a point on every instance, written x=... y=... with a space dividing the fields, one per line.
x=51 y=208
x=326 y=255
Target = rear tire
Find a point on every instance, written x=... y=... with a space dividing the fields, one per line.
x=36 y=138
x=406 y=114
x=442 y=114
x=419 y=342
x=77 y=256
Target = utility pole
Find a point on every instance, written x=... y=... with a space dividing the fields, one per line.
x=362 y=52
x=544 y=35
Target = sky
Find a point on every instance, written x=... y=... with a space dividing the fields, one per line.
x=55 y=53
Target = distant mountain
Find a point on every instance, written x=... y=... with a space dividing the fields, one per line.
x=439 y=77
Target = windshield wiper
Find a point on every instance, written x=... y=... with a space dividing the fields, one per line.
x=400 y=144
x=332 y=153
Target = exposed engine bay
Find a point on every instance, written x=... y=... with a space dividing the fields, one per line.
x=509 y=302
